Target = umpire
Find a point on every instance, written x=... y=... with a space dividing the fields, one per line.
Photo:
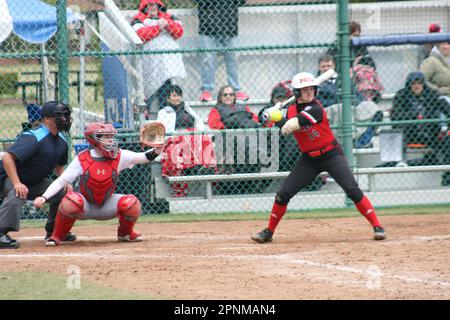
x=26 y=166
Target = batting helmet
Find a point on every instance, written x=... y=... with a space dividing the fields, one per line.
x=95 y=135
x=303 y=80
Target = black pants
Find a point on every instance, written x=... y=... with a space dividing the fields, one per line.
x=307 y=169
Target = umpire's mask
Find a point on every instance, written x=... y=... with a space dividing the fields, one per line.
x=60 y=112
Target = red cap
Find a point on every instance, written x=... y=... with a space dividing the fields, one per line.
x=434 y=27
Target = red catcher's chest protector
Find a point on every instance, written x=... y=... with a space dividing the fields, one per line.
x=99 y=178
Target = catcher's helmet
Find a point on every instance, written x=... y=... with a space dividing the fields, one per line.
x=94 y=134
x=303 y=80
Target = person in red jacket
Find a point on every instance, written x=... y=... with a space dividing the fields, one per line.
x=307 y=120
x=159 y=30
x=229 y=115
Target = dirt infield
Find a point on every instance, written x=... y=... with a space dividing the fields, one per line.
x=309 y=259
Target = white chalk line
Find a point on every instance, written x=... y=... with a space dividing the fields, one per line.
x=290 y=259
x=153 y=237
x=287 y=258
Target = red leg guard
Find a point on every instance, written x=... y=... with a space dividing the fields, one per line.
x=367 y=210
x=128 y=210
x=70 y=209
x=278 y=211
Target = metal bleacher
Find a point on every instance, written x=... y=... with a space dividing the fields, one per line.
x=301 y=24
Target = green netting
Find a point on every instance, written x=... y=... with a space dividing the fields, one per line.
x=122 y=65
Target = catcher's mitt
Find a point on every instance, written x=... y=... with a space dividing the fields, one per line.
x=153 y=135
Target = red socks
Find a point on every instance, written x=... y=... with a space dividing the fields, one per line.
x=367 y=210
x=125 y=226
x=63 y=224
x=278 y=211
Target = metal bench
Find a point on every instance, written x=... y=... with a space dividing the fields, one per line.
x=370 y=182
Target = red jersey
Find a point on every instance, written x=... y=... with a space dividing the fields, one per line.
x=315 y=132
x=99 y=178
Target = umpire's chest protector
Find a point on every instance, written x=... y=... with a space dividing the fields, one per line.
x=99 y=178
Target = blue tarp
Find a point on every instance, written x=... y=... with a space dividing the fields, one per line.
x=32 y=20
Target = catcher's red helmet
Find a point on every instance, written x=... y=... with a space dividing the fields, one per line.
x=94 y=134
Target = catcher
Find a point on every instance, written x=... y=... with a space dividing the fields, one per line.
x=98 y=168
x=307 y=121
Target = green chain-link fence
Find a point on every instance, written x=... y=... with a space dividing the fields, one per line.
x=130 y=62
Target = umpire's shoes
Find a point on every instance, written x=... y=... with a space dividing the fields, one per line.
x=379 y=233
x=69 y=237
x=264 y=236
x=6 y=242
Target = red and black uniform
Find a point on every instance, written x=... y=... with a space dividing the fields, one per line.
x=321 y=152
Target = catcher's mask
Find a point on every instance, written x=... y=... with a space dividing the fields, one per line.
x=102 y=136
x=60 y=112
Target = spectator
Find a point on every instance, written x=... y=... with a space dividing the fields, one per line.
x=355 y=51
x=366 y=79
x=158 y=30
x=25 y=168
x=426 y=49
x=184 y=154
x=328 y=91
x=218 y=28
x=368 y=86
x=417 y=102
x=229 y=115
x=436 y=69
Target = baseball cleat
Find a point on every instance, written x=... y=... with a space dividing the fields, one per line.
x=69 y=237
x=52 y=242
x=379 y=233
x=133 y=237
x=264 y=236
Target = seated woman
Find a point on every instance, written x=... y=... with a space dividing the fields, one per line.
x=184 y=154
x=228 y=114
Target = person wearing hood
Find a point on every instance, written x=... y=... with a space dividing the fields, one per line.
x=436 y=69
x=416 y=101
x=184 y=154
x=159 y=30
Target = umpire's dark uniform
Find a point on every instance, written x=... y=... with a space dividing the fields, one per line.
x=37 y=152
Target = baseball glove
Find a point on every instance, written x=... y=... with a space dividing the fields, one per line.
x=153 y=135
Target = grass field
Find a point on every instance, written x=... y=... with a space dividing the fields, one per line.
x=326 y=251
x=12 y=111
